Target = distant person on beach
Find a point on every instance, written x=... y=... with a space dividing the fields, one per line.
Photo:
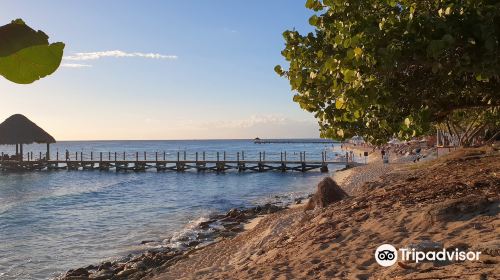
x=417 y=154
x=382 y=152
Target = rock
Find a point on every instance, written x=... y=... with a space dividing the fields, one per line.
x=298 y=200
x=140 y=265
x=104 y=266
x=327 y=193
x=91 y=267
x=206 y=225
x=233 y=213
x=83 y=277
x=77 y=272
x=101 y=275
x=126 y=272
x=270 y=208
x=193 y=243
x=147 y=241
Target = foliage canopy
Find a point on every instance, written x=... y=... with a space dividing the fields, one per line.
x=383 y=68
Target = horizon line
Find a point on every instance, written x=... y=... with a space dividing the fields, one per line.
x=198 y=139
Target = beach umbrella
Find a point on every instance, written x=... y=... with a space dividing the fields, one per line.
x=18 y=130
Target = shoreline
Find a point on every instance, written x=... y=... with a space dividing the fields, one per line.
x=337 y=242
x=214 y=229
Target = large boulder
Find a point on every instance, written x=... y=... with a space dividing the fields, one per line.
x=327 y=193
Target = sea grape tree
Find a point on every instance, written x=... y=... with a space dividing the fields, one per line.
x=383 y=68
x=25 y=54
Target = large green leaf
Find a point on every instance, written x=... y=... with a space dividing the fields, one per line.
x=16 y=36
x=32 y=63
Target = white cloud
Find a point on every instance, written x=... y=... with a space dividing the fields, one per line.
x=252 y=121
x=262 y=125
x=116 y=53
x=75 y=65
x=229 y=30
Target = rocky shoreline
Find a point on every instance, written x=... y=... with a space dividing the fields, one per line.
x=216 y=228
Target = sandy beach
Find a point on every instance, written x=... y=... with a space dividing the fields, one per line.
x=437 y=203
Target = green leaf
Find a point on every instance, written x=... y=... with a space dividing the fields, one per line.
x=407 y=122
x=313 y=20
x=338 y=39
x=349 y=75
x=339 y=103
x=358 y=52
x=350 y=54
x=16 y=36
x=278 y=70
x=32 y=63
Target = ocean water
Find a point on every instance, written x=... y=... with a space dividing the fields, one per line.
x=53 y=221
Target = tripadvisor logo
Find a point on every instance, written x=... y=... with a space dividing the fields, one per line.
x=387 y=255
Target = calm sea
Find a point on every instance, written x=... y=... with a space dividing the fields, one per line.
x=53 y=221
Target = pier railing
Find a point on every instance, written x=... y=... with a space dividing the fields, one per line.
x=219 y=161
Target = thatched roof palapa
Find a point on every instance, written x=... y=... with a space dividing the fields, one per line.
x=18 y=129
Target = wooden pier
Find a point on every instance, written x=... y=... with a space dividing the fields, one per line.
x=294 y=141
x=179 y=162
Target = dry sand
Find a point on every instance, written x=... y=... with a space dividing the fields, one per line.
x=450 y=202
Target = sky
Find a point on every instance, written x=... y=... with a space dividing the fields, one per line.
x=192 y=69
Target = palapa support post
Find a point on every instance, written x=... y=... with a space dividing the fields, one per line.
x=164 y=156
x=156 y=156
x=242 y=155
x=136 y=156
x=124 y=156
x=145 y=155
x=48 y=152
x=324 y=168
x=178 y=156
x=184 y=155
x=196 y=157
x=100 y=156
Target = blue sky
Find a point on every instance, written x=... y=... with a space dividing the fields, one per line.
x=214 y=78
